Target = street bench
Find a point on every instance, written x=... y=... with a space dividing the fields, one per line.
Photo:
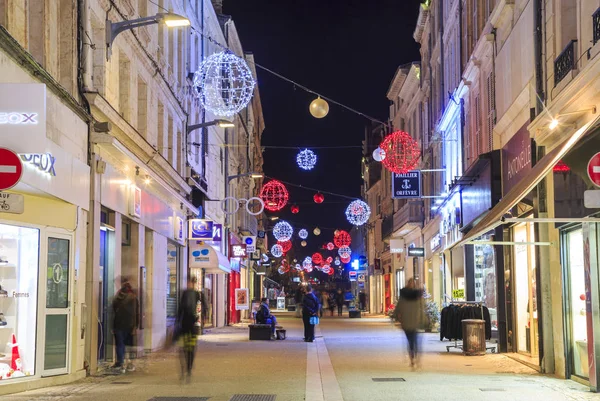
x=353 y=314
x=260 y=332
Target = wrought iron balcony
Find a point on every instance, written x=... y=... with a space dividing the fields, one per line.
x=408 y=217
x=596 y=25
x=565 y=62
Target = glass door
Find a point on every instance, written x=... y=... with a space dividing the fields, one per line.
x=58 y=306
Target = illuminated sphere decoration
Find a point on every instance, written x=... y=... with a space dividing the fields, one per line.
x=303 y=243
x=224 y=84
x=317 y=231
x=331 y=272
x=326 y=269
x=283 y=231
x=265 y=258
x=317 y=258
x=330 y=246
x=281 y=270
x=298 y=267
x=342 y=238
x=337 y=262
x=358 y=212
x=346 y=259
x=308 y=269
x=277 y=250
x=295 y=209
x=285 y=245
x=275 y=195
x=378 y=154
x=307 y=262
x=319 y=108
x=319 y=197
x=303 y=234
x=402 y=152
x=329 y=260
x=306 y=159
x=345 y=251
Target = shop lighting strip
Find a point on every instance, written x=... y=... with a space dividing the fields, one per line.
x=509 y=243
x=551 y=220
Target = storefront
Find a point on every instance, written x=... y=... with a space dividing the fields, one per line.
x=388 y=294
x=433 y=261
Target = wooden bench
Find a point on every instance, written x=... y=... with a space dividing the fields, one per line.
x=260 y=332
x=354 y=313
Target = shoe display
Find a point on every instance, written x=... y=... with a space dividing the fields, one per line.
x=3 y=321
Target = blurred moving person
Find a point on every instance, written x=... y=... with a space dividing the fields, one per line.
x=187 y=318
x=126 y=320
x=410 y=313
x=339 y=300
x=310 y=308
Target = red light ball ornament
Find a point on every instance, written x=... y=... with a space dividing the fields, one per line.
x=285 y=245
x=275 y=195
x=295 y=209
x=319 y=197
x=317 y=258
x=402 y=152
x=342 y=239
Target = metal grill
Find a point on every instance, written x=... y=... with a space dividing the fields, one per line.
x=253 y=397
x=388 y=379
x=596 y=25
x=564 y=63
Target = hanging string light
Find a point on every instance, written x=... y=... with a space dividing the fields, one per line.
x=298 y=267
x=402 y=152
x=224 y=84
x=307 y=262
x=303 y=234
x=283 y=231
x=275 y=195
x=358 y=212
x=306 y=159
x=285 y=245
x=319 y=197
x=342 y=238
x=337 y=261
x=329 y=260
x=277 y=250
x=308 y=269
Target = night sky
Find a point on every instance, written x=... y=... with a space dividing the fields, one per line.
x=347 y=50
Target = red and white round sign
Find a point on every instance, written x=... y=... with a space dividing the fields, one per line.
x=594 y=169
x=11 y=169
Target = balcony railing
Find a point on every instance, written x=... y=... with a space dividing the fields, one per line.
x=564 y=63
x=596 y=25
x=387 y=226
x=410 y=213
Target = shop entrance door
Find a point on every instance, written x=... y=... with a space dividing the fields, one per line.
x=56 y=322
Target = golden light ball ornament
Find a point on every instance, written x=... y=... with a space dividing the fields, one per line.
x=319 y=108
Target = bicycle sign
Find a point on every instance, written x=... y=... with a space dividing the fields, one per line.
x=11 y=203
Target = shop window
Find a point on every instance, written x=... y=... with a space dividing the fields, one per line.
x=19 y=270
x=485 y=279
x=126 y=232
x=172 y=270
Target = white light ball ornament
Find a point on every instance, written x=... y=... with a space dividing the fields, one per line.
x=283 y=231
x=345 y=251
x=358 y=212
x=277 y=250
x=379 y=154
x=307 y=263
x=224 y=84
x=303 y=234
x=306 y=159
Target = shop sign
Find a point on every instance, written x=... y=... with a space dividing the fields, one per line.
x=41 y=161
x=458 y=293
x=135 y=201
x=361 y=277
x=516 y=158
x=396 y=245
x=238 y=251
x=242 y=299
x=12 y=203
x=261 y=234
x=416 y=252
x=435 y=242
x=449 y=221
x=250 y=242
x=407 y=185
x=178 y=226
x=352 y=275
x=23 y=117
x=593 y=169
x=280 y=303
x=201 y=229
x=255 y=255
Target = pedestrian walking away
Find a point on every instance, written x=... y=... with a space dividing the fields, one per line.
x=410 y=313
x=187 y=328
x=331 y=300
x=310 y=308
x=324 y=302
x=126 y=319
x=339 y=300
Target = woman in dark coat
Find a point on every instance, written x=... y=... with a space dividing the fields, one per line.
x=186 y=322
x=310 y=308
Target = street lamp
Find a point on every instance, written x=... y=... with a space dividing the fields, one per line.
x=218 y=123
x=253 y=175
x=113 y=29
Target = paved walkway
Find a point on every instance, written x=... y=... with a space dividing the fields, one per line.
x=340 y=366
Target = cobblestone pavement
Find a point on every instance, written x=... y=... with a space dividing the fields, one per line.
x=341 y=365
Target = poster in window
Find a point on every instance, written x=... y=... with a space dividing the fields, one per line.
x=135 y=202
x=242 y=301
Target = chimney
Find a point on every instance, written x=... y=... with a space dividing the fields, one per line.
x=218 y=6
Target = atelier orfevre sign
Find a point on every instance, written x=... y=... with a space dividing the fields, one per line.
x=516 y=159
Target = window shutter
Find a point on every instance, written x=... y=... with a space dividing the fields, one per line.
x=491 y=109
x=477 y=126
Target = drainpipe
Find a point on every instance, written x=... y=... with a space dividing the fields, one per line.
x=539 y=58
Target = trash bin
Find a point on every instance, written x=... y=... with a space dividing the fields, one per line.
x=473 y=331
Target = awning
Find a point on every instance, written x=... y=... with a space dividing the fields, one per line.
x=495 y=216
x=207 y=258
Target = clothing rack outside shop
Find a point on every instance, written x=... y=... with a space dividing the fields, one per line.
x=481 y=305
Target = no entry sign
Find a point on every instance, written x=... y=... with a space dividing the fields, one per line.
x=11 y=169
x=594 y=169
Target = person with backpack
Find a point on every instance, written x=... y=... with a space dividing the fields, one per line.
x=187 y=328
x=264 y=316
x=126 y=319
x=310 y=308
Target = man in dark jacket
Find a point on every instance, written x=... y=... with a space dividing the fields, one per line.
x=126 y=313
x=187 y=320
x=339 y=300
x=264 y=316
x=310 y=308
x=410 y=312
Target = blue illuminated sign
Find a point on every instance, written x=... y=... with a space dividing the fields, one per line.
x=201 y=229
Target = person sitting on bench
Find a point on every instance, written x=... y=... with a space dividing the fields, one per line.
x=264 y=316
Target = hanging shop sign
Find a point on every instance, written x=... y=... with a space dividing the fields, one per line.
x=178 y=227
x=435 y=242
x=516 y=158
x=201 y=229
x=261 y=234
x=135 y=201
x=12 y=203
x=406 y=185
x=450 y=220
x=352 y=275
x=416 y=252
x=396 y=245
x=42 y=161
x=361 y=277
x=23 y=117
x=238 y=251
x=250 y=242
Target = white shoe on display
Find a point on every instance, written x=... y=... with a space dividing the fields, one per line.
x=3 y=321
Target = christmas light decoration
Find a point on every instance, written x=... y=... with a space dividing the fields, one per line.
x=378 y=154
x=308 y=269
x=561 y=167
x=319 y=197
x=303 y=234
x=337 y=262
x=326 y=269
x=346 y=259
x=306 y=159
x=285 y=245
x=317 y=231
x=319 y=108
x=317 y=258
x=298 y=267
x=295 y=209
x=224 y=84
x=277 y=250
x=283 y=231
x=307 y=262
x=275 y=195
x=331 y=272
x=342 y=238
x=281 y=270
x=358 y=212
x=345 y=251
x=303 y=243
x=330 y=246
x=329 y=260
x=402 y=152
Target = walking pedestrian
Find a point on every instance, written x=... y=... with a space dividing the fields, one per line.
x=298 y=299
x=324 y=302
x=339 y=300
x=410 y=313
x=310 y=308
x=186 y=324
x=126 y=318
x=331 y=303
